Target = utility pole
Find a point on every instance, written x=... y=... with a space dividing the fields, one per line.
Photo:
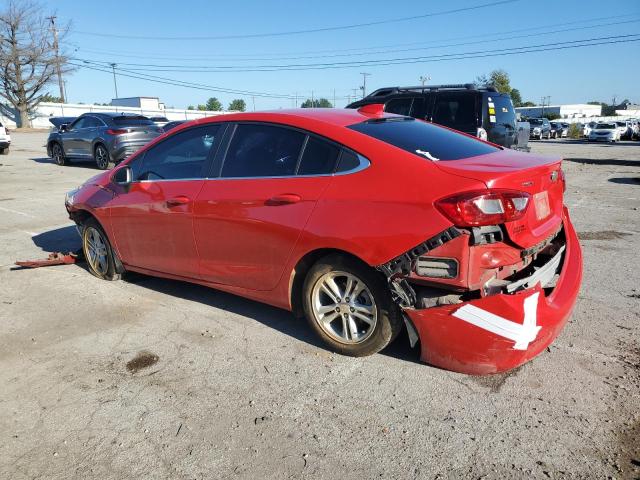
x=548 y=99
x=312 y=101
x=364 y=83
x=115 y=83
x=355 y=94
x=425 y=79
x=55 y=47
x=334 y=98
x=296 y=99
x=253 y=98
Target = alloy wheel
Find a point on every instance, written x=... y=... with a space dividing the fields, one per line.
x=95 y=248
x=58 y=156
x=344 y=307
x=102 y=157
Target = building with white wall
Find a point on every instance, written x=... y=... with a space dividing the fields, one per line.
x=146 y=103
x=578 y=110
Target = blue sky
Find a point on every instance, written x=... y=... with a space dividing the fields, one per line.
x=567 y=76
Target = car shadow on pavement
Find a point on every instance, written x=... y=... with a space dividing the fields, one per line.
x=66 y=239
x=63 y=239
x=73 y=163
x=604 y=161
x=626 y=180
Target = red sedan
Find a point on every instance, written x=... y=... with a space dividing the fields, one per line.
x=365 y=223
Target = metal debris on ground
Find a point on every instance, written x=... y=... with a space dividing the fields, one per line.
x=55 y=258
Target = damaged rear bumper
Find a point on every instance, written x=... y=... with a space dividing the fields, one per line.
x=502 y=331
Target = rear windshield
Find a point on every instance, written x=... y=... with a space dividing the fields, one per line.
x=535 y=121
x=424 y=139
x=132 y=120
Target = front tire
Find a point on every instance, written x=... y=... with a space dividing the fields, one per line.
x=98 y=252
x=349 y=306
x=101 y=157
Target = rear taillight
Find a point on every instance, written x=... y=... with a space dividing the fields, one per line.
x=484 y=207
x=117 y=131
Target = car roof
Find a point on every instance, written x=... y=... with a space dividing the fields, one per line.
x=340 y=117
x=114 y=114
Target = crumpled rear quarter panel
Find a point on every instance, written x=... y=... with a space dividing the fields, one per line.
x=454 y=344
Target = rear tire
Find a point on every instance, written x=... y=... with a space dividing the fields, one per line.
x=349 y=306
x=57 y=153
x=4 y=151
x=97 y=251
x=101 y=157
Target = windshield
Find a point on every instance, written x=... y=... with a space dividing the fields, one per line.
x=423 y=139
x=501 y=108
x=535 y=121
x=132 y=120
x=605 y=126
x=621 y=124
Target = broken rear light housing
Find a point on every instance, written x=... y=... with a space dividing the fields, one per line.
x=484 y=207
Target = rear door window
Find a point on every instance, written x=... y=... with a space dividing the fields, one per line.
x=319 y=157
x=456 y=110
x=92 y=122
x=262 y=151
x=181 y=156
x=423 y=139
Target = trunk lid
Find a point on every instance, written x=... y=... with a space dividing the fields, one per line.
x=539 y=176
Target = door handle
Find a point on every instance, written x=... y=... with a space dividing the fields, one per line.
x=179 y=200
x=284 y=199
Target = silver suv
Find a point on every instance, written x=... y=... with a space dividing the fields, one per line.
x=105 y=138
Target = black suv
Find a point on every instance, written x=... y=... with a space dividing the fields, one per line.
x=479 y=111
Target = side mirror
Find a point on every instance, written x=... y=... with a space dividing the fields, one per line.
x=63 y=127
x=123 y=176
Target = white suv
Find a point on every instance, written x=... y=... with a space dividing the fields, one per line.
x=5 y=140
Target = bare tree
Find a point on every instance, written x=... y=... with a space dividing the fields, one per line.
x=28 y=56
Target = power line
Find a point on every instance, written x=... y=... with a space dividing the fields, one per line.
x=381 y=62
x=298 y=32
x=180 y=83
x=376 y=50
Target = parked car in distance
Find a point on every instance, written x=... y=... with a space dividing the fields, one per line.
x=588 y=127
x=479 y=111
x=625 y=129
x=5 y=140
x=556 y=129
x=565 y=129
x=540 y=128
x=605 y=132
x=159 y=120
x=105 y=138
x=171 y=125
x=277 y=207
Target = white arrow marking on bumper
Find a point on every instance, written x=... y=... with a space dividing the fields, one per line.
x=521 y=334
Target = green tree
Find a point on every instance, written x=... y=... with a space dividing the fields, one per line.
x=191 y=107
x=201 y=107
x=528 y=104
x=516 y=98
x=551 y=116
x=47 y=97
x=497 y=78
x=213 y=105
x=316 y=103
x=238 y=105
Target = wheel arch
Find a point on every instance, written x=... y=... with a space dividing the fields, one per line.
x=302 y=267
x=80 y=216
